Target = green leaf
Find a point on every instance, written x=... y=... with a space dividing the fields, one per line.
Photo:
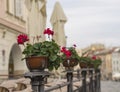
x=53 y=57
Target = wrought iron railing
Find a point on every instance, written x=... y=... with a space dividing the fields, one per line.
x=89 y=81
x=84 y=80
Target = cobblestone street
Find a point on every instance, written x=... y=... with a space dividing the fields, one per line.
x=110 y=86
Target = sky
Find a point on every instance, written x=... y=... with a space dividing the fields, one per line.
x=90 y=21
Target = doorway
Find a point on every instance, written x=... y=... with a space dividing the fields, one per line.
x=14 y=60
x=11 y=66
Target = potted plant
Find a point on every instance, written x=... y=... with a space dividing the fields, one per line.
x=39 y=53
x=84 y=61
x=95 y=61
x=69 y=56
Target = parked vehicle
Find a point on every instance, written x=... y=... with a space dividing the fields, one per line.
x=116 y=76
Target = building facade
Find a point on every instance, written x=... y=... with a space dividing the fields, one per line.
x=12 y=23
x=15 y=19
x=106 y=66
x=116 y=64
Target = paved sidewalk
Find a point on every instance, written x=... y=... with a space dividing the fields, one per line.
x=110 y=86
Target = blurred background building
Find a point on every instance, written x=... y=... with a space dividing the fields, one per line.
x=110 y=56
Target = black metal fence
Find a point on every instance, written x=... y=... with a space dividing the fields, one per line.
x=89 y=81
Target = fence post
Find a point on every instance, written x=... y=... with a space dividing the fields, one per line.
x=70 y=79
x=91 y=81
x=99 y=81
x=96 y=81
x=84 y=80
x=78 y=74
x=37 y=80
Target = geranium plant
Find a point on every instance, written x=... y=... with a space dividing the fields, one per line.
x=47 y=48
x=85 y=59
x=69 y=53
x=91 y=61
x=96 y=61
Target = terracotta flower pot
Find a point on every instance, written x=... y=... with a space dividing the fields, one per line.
x=35 y=63
x=83 y=65
x=91 y=65
x=70 y=63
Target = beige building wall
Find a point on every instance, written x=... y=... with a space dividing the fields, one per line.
x=107 y=68
x=11 y=24
x=109 y=62
x=13 y=17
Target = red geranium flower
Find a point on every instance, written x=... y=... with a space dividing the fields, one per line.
x=94 y=57
x=68 y=54
x=22 y=38
x=48 y=31
x=63 y=49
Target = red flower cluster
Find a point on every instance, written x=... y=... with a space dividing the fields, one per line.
x=66 y=52
x=94 y=57
x=22 y=38
x=48 y=31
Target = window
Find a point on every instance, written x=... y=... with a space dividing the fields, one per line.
x=3 y=56
x=14 y=7
x=18 y=7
